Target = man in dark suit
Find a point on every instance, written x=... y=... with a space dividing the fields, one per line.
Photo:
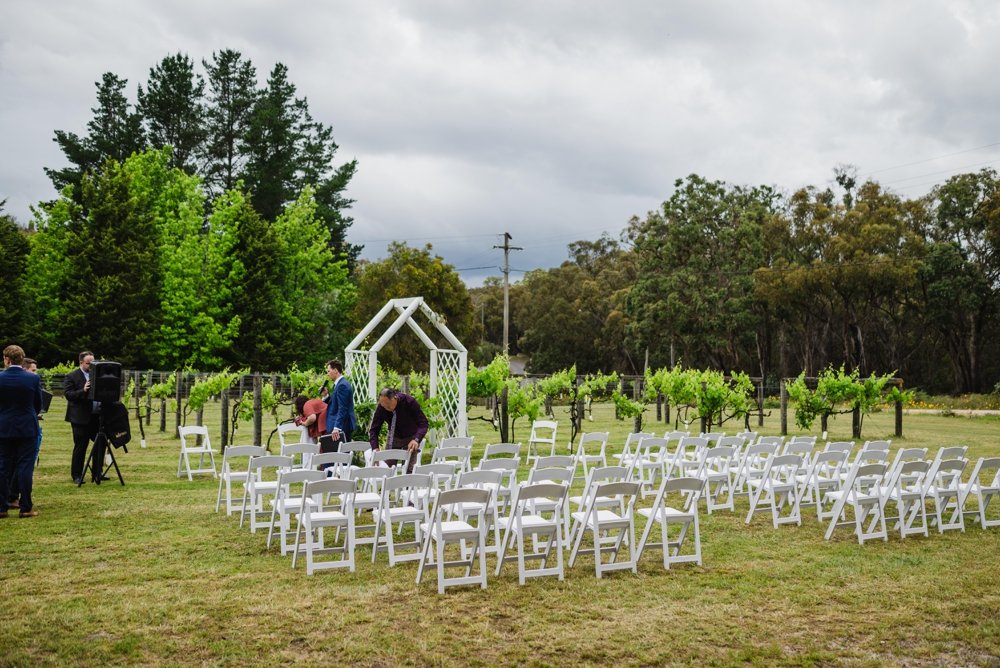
x=20 y=404
x=80 y=413
x=340 y=418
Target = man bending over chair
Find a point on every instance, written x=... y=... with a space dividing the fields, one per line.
x=407 y=424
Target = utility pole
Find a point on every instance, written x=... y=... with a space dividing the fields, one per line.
x=507 y=248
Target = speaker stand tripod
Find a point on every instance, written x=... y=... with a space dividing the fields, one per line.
x=95 y=462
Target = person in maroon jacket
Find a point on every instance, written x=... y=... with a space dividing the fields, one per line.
x=407 y=424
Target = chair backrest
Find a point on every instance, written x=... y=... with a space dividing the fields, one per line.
x=771 y=440
x=676 y=435
x=480 y=478
x=392 y=457
x=712 y=436
x=305 y=451
x=507 y=450
x=449 y=469
x=289 y=432
x=593 y=439
x=621 y=488
x=338 y=461
x=877 y=445
x=371 y=478
x=560 y=474
x=803 y=439
x=541 y=490
x=736 y=442
x=690 y=488
x=456 y=442
x=718 y=458
x=458 y=455
x=634 y=438
x=951 y=452
x=555 y=461
x=404 y=483
x=911 y=476
x=840 y=446
x=948 y=473
x=288 y=479
x=828 y=463
x=258 y=465
x=543 y=431
x=990 y=466
x=461 y=495
x=234 y=451
x=325 y=487
x=506 y=466
x=749 y=437
x=195 y=431
x=802 y=448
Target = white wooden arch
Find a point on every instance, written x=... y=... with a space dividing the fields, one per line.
x=449 y=366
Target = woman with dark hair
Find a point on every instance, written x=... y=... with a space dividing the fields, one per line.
x=311 y=413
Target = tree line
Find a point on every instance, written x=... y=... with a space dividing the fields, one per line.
x=205 y=226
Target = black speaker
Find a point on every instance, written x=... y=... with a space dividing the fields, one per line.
x=106 y=382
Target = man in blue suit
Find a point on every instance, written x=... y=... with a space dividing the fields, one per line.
x=20 y=404
x=340 y=419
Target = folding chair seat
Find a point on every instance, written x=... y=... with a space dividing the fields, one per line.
x=597 y=476
x=676 y=503
x=631 y=441
x=526 y=519
x=716 y=472
x=368 y=497
x=458 y=455
x=778 y=487
x=397 y=509
x=336 y=464
x=286 y=502
x=822 y=475
x=861 y=491
x=234 y=470
x=602 y=523
x=562 y=476
x=261 y=481
x=592 y=450
x=984 y=485
x=471 y=538
x=289 y=432
x=907 y=491
x=646 y=463
x=190 y=446
x=943 y=491
x=320 y=513
x=543 y=433
x=301 y=454
x=752 y=464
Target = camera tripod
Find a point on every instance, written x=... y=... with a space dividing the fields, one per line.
x=94 y=464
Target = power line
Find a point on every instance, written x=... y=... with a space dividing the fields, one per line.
x=920 y=162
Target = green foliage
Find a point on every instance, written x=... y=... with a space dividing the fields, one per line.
x=270 y=401
x=211 y=386
x=490 y=380
x=838 y=391
x=306 y=382
x=626 y=408
x=164 y=390
x=559 y=383
x=523 y=400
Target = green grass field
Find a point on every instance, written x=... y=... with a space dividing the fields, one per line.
x=149 y=574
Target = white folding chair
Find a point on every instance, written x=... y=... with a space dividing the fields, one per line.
x=508 y=468
x=907 y=492
x=319 y=513
x=471 y=538
x=395 y=458
x=777 y=487
x=286 y=502
x=984 y=485
x=190 y=446
x=289 y=432
x=712 y=436
x=261 y=481
x=368 y=497
x=364 y=447
x=822 y=476
x=603 y=522
x=716 y=472
x=943 y=491
x=397 y=509
x=752 y=463
x=602 y=474
x=686 y=459
x=646 y=463
x=676 y=503
x=525 y=519
x=861 y=491
x=490 y=480
x=585 y=452
x=561 y=475
x=234 y=470
x=543 y=432
x=443 y=475
x=631 y=441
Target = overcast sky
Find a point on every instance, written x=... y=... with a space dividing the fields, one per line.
x=554 y=121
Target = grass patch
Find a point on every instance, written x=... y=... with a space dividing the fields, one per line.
x=149 y=574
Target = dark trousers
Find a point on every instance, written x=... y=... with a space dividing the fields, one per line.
x=401 y=443
x=83 y=434
x=18 y=454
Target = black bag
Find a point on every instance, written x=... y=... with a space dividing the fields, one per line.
x=116 y=424
x=327 y=444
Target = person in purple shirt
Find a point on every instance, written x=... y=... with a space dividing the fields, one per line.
x=407 y=424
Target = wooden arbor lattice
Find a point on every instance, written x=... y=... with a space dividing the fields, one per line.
x=449 y=366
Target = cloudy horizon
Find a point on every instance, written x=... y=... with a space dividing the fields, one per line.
x=554 y=121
